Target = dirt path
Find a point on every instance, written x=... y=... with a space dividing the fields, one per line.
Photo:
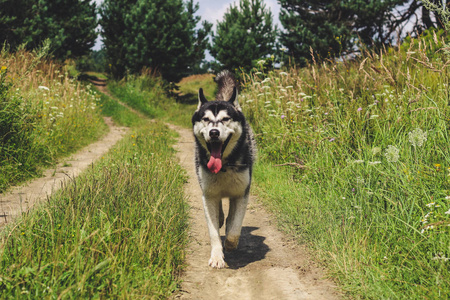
x=266 y=265
x=24 y=197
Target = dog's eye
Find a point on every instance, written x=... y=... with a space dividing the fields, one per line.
x=226 y=119
x=205 y=119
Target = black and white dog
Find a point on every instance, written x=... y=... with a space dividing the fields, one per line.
x=224 y=155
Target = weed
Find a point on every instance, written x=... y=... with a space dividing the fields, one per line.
x=43 y=115
x=368 y=189
x=118 y=231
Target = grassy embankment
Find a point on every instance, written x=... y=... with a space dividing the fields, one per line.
x=355 y=161
x=116 y=231
x=44 y=115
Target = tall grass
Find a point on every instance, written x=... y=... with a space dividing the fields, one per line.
x=43 y=115
x=117 y=231
x=355 y=160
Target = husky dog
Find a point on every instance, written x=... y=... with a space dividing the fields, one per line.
x=224 y=154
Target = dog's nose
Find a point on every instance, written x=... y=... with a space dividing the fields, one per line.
x=214 y=133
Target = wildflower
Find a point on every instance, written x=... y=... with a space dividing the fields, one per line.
x=376 y=151
x=431 y=204
x=373 y=163
x=359 y=109
x=283 y=116
x=447 y=212
x=261 y=62
x=283 y=73
x=331 y=140
x=41 y=87
x=417 y=137
x=447 y=198
x=4 y=68
x=440 y=256
x=392 y=154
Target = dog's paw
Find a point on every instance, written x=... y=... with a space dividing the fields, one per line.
x=231 y=243
x=217 y=261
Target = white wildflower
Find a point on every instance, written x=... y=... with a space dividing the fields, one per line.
x=376 y=151
x=392 y=154
x=41 y=87
x=417 y=137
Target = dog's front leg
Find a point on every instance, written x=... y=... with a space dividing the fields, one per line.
x=212 y=209
x=238 y=206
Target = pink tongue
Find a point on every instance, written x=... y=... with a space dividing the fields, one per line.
x=215 y=162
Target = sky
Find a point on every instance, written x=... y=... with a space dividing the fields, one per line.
x=213 y=11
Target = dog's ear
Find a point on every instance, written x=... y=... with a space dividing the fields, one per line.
x=233 y=99
x=201 y=98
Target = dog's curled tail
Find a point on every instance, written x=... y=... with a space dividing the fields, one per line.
x=226 y=82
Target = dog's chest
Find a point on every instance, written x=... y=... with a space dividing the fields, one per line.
x=224 y=184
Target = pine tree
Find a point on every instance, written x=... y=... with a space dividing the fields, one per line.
x=13 y=16
x=115 y=33
x=158 y=34
x=245 y=35
x=68 y=24
x=332 y=28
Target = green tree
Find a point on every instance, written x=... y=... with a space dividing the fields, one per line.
x=68 y=24
x=158 y=34
x=245 y=35
x=115 y=33
x=14 y=15
x=332 y=27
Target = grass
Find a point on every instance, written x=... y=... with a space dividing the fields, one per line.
x=117 y=231
x=44 y=115
x=188 y=87
x=354 y=161
x=146 y=94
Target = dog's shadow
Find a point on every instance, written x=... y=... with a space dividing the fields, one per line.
x=251 y=248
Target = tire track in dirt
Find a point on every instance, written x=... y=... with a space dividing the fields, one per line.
x=26 y=196
x=266 y=265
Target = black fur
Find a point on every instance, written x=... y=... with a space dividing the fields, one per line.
x=242 y=156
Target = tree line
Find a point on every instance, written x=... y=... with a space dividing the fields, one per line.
x=168 y=37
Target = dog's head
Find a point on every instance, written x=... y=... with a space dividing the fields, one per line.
x=217 y=126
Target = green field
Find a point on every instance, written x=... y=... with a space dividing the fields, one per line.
x=354 y=162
